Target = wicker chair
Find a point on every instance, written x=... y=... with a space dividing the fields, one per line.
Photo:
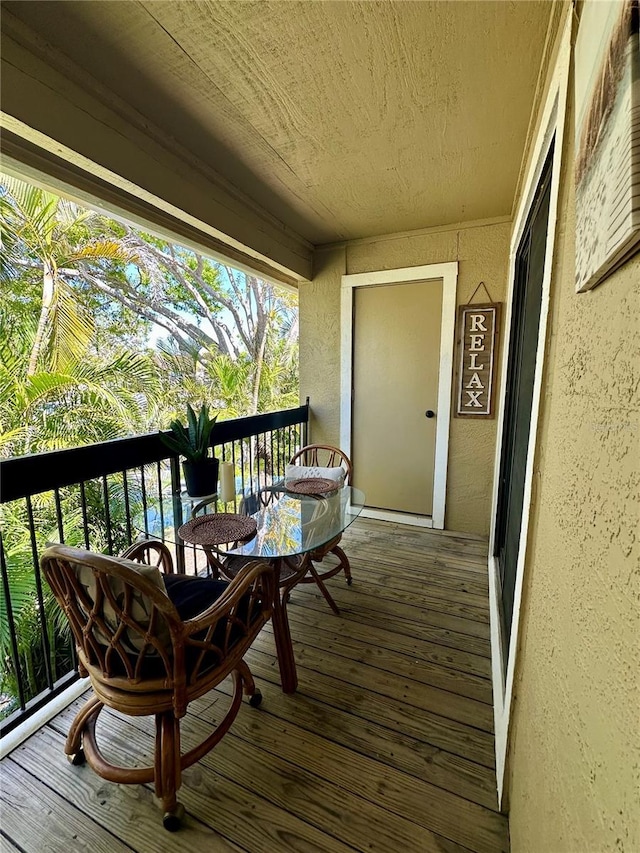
x=326 y=456
x=151 y=645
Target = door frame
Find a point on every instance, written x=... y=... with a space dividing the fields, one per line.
x=448 y=272
x=551 y=127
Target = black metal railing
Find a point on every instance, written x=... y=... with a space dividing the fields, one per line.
x=101 y=497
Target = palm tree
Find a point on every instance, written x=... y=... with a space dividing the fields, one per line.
x=54 y=392
x=87 y=402
x=53 y=239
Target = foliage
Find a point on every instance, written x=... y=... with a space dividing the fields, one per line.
x=55 y=390
x=85 y=403
x=79 y=288
x=191 y=441
x=50 y=244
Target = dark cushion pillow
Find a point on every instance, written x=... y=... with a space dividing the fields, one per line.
x=190 y=595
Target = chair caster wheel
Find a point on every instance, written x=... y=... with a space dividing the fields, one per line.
x=349 y=581
x=172 y=820
x=78 y=758
x=256 y=699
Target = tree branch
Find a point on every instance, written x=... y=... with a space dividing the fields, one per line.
x=167 y=319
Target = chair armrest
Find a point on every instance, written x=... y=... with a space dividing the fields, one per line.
x=221 y=634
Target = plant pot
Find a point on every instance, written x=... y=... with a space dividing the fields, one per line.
x=201 y=477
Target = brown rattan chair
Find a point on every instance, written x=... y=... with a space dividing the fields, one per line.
x=150 y=645
x=325 y=456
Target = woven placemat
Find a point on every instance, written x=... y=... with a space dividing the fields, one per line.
x=311 y=486
x=218 y=528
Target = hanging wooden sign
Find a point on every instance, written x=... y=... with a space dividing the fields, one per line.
x=478 y=330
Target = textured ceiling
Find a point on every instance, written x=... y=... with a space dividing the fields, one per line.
x=343 y=119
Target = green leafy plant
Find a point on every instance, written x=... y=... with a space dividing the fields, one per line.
x=191 y=441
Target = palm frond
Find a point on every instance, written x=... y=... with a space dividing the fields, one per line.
x=70 y=329
x=102 y=250
x=33 y=215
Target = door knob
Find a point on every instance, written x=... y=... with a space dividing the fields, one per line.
x=430 y=413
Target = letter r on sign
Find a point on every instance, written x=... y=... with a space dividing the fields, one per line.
x=477 y=323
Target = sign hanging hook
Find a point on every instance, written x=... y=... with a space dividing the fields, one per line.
x=486 y=290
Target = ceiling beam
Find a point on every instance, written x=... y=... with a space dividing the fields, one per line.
x=56 y=114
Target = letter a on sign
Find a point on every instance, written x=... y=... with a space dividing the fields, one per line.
x=477 y=331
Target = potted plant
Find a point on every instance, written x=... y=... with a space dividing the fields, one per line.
x=192 y=442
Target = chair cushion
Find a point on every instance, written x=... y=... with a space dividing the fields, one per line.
x=190 y=595
x=299 y=472
x=140 y=609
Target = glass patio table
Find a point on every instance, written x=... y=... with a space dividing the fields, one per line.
x=288 y=528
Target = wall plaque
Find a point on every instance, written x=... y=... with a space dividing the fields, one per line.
x=478 y=329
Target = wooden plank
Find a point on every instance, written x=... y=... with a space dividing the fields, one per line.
x=439 y=580
x=392 y=746
x=314 y=603
x=254 y=817
x=427 y=726
x=470 y=564
x=382 y=657
x=397 y=748
x=387 y=744
x=417 y=598
x=473 y=667
x=129 y=811
x=370 y=800
x=465 y=568
x=436 y=597
x=423 y=538
x=431 y=807
x=327 y=807
x=389 y=638
x=420 y=536
x=439 y=575
x=32 y=812
x=401 y=688
x=433 y=532
x=393 y=608
x=7 y=846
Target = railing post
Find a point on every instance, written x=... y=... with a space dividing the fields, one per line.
x=42 y=614
x=177 y=512
x=12 y=627
x=305 y=428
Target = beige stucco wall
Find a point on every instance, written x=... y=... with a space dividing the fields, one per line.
x=574 y=760
x=482 y=252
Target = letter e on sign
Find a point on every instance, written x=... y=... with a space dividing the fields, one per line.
x=477 y=340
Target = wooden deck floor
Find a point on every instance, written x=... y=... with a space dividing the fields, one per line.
x=387 y=746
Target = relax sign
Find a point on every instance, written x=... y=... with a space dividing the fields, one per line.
x=478 y=326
